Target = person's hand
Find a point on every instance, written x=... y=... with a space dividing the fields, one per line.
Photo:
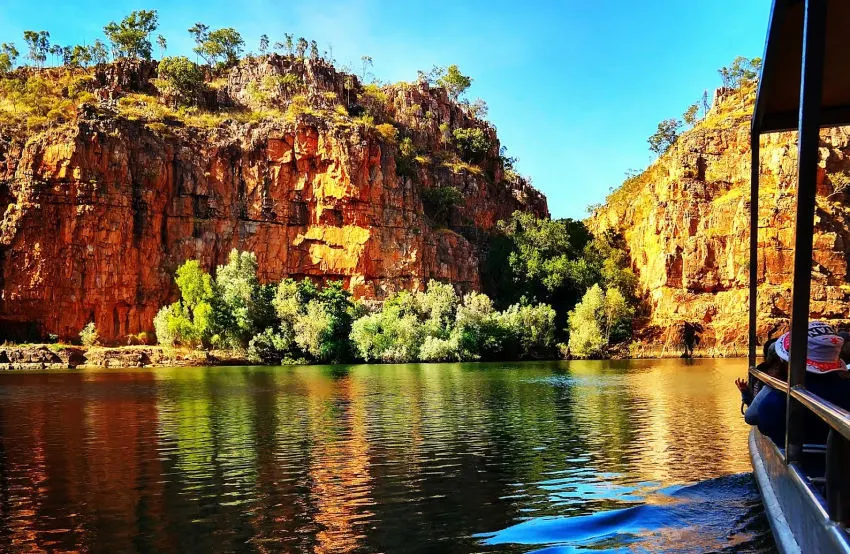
x=742 y=385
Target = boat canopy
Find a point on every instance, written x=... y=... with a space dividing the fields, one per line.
x=804 y=85
x=778 y=101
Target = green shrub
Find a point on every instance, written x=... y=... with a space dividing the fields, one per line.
x=183 y=79
x=269 y=347
x=439 y=202
x=596 y=319
x=242 y=306
x=473 y=144
x=529 y=330
x=89 y=335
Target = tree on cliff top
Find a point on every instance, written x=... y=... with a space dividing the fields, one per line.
x=183 y=79
x=131 y=37
x=8 y=57
x=743 y=70
x=38 y=44
x=219 y=46
x=454 y=81
x=665 y=136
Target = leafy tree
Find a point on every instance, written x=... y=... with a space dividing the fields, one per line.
x=394 y=335
x=189 y=321
x=301 y=48
x=287 y=46
x=81 y=56
x=586 y=334
x=131 y=37
x=183 y=78
x=690 y=115
x=56 y=52
x=268 y=347
x=221 y=44
x=38 y=44
x=473 y=144
x=478 y=332
x=743 y=70
x=595 y=320
x=8 y=57
x=67 y=54
x=264 y=43
x=163 y=45
x=477 y=108
x=89 y=335
x=665 y=136
x=529 y=330
x=617 y=311
x=322 y=329
x=200 y=33
x=99 y=53
x=454 y=82
x=544 y=257
x=242 y=306
x=314 y=50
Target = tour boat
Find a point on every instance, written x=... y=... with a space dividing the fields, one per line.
x=804 y=86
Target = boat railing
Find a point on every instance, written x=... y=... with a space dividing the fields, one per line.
x=836 y=483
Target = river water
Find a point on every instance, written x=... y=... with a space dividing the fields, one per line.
x=642 y=456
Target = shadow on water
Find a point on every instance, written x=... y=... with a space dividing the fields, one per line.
x=716 y=515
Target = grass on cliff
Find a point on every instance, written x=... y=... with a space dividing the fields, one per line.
x=35 y=102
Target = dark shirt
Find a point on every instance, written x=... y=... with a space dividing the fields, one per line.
x=767 y=412
x=767 y=409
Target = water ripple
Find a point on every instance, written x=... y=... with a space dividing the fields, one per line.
x=558 y=457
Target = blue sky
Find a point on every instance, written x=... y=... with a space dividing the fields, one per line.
x=574 y=87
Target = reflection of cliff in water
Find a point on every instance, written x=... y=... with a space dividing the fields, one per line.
x=667 y=422
x=364 y=458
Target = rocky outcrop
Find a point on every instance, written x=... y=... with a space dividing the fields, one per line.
x=100 y=211
x=686 y=223
x=39 y=357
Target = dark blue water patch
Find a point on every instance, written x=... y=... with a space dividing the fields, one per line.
x=716 y=515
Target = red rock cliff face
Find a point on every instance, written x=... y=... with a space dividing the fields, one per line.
x=99 y=212
x=686 y=222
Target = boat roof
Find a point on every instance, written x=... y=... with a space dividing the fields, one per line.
x=778 y=99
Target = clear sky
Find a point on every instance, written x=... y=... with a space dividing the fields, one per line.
x=574 y=87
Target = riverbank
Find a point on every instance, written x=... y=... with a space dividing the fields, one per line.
x=63 y=356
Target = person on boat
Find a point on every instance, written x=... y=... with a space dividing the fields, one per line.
x=766 y=405
x=771 y=359
x=826 y=374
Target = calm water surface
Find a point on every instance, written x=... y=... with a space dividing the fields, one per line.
x=641 y=456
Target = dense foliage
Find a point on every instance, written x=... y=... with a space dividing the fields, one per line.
x=556 y=262
x=183 y=79
x=131 y=37
x=298 y=320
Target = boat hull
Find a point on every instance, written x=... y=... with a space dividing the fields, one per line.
x=795 y=509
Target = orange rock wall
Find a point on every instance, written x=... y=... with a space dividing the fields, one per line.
x=100 y=213
x=686 y=222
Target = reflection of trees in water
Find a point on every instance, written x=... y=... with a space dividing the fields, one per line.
x=370 y=458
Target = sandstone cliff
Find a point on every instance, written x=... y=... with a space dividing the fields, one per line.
x=103 y=203
x=686 y=222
